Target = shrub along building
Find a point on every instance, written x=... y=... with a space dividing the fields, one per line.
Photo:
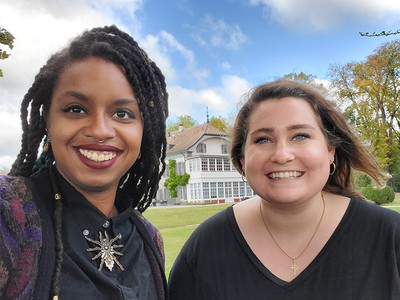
x=202 y=152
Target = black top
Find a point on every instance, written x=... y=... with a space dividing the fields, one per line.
x=81 y=277
x=361 y=260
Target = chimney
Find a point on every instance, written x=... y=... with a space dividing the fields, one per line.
x=180 y=127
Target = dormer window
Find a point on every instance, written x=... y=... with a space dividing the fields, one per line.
x=201 y=148
x=224 y=148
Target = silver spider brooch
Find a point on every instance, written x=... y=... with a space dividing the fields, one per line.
x=106 y=250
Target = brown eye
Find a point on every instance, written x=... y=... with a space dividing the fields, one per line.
x=75 y=109
x=124 y=114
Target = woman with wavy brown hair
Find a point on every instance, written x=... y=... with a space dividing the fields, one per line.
x=306 y=234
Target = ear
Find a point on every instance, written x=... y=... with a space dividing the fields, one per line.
x=332 y=152
x=242 y=162
x=45 y=117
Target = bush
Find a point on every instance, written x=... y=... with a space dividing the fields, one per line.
x=379 y=196
x=362 y=181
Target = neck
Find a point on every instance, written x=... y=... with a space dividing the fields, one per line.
x=292 y=219
x=103 y=201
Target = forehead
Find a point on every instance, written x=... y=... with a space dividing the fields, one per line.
x=282 y=112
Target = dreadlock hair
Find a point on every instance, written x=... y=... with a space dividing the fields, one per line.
x=149 y=87
x=350 y=152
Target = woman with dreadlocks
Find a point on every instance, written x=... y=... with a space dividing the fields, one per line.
x=70 y=218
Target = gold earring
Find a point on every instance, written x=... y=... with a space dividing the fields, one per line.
x=243 y=176
x=46 y=144
x=334 y=168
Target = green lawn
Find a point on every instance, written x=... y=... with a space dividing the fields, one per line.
x=176 y=223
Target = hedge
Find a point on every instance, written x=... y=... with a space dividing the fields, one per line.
x=380 y=196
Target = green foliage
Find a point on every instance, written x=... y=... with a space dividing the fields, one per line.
x=379 y=196
x=7 y=39
x=174 y=180
x=394 y=182
x=308 y=79
x=362 y=181
x=186 y=121
x=219 y=123
x=369 y=92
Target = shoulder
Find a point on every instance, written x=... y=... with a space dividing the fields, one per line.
x=375 y=211
x=375 y=216
x=16 y=200
x=17 y=206
x=14 y=187
x=213 y=231
x=20 y=235
x=216 y=222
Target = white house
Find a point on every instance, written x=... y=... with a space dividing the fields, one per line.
x=202 y=152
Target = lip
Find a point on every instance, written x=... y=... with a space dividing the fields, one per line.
x=108 y=155
x=287 y=174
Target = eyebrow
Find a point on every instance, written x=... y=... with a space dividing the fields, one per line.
x=84 y=98
x=290 y=128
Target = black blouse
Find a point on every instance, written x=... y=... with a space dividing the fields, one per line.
x=81 y=277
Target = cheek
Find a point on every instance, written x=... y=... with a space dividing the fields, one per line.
x=134 y=137
x=318 y=160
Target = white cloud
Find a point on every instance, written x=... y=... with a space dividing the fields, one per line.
x=219 y=34
x=10 y=134
x=163 y=47
x=219 y=99
x=151 y=44
x=226 y=66
x=316 y=15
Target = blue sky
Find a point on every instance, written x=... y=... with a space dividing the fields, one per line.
x=211 y=51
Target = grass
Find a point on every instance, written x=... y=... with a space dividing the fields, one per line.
x=176 y=223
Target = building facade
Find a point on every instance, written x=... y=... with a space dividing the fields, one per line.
x=202 y=151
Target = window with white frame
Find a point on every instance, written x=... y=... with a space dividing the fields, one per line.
x=211 y=164
x=224 y=148
x=228 y=189
x=191 y=165
x=206 y=190
x=213 y=190
x=235 y=186
x=204 y=164
x=242 y=190
x=227 y=164
x=201 y=148
x=220 y=190
x=219 y=164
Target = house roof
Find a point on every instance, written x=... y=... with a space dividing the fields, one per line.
x=186 y=138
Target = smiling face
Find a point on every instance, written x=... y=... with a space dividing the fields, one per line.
x=92 y=102
x=286 y=156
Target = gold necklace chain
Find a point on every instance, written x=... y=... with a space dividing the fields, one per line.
x=294 y=266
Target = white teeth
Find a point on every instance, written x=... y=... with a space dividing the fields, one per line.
x=294 y=174
x=97 y=156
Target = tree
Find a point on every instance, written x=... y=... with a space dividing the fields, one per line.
x=185 y=120
x=174 y=180
x=370 y=92
x=7 y=39
x=219 y=123
x=310 y=80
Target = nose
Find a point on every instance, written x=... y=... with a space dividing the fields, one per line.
x=282 y=153
x=99 y=127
